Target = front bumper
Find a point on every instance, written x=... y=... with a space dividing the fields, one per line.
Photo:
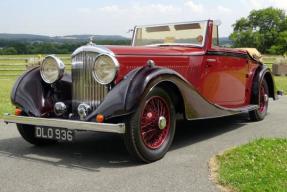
x=67 y=124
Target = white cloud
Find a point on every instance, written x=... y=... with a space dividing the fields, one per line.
x=118 y=18
x=137 y=9
x=162 y=8
x=142 y=13
x=84 y=10
x=257 y=4
x=282 y=4
x=222 y=9
x=260 y=4
x=153 y=9
x=196 y=8
x=110 y=9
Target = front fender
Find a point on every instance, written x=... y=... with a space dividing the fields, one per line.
x=124 y=97
x=35 y=97
x=114 y=103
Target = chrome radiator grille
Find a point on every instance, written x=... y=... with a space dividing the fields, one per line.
x=85 y=88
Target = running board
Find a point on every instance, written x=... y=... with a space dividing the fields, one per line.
x=241 y=109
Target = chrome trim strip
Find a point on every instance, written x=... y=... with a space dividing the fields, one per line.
x=67 y=124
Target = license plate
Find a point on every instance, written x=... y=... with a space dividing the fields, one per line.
x=54 y=134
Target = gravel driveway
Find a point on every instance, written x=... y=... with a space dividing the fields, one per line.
x=99 y=162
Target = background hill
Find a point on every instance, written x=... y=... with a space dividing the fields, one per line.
x=43 y=38
x=12 y=44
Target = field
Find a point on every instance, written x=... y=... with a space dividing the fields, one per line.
x=13 y=66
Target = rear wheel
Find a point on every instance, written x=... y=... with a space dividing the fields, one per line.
x=28 y=133
x=262 y=100
x=150 y=130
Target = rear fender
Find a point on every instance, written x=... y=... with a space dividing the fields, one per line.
x=263 y=73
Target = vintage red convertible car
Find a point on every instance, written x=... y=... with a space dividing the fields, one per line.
x=170 y=72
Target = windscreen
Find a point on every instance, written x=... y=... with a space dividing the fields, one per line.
x=187 y=33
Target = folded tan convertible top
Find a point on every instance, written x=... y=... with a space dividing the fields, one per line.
x=253 y=52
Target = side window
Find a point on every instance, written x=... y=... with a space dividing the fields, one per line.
x=215 y=39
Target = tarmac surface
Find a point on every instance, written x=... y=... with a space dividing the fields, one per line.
x=99 y=162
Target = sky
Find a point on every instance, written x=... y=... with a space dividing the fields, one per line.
x=111 y=17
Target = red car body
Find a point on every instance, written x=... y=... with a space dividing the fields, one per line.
x=222 y=75
x=151 y=84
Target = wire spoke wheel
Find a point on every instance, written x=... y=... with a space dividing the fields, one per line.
x=263 y=98
x=155 y=122
x=150 y=130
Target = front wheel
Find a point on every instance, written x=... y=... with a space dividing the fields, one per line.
x=262 y=101
x=150 y=130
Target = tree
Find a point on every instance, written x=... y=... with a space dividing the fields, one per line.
x=52 y=47
x=9 y=51
x=264 y=29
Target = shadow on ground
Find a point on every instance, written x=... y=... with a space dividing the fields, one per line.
x=92 y=151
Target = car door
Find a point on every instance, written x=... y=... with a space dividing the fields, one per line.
x=224 y=77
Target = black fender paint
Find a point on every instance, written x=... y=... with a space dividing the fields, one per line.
x=35 y=97
x=125 y=97
x=263 y=72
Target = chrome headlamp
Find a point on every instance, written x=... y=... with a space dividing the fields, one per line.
x=52 y=69
x=105 y=69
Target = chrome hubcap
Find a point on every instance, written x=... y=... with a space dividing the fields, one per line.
x=162 y=122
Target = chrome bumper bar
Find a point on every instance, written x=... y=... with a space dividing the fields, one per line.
x=67 y=124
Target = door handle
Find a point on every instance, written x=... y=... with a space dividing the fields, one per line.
x=210 y=62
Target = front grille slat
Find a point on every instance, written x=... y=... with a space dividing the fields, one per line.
x=85 y=88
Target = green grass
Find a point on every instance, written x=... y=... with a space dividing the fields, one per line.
x=258 y=166
x=5 y=103
x=281 y=83
x=29 y=56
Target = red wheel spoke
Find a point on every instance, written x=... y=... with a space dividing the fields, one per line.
x=150 y=136
x=156 y=106
x=148 y=132
x=147 y=124
x=262 y=100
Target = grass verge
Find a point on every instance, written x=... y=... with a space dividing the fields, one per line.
x=258 y=166
x=281 y=84
x=5 y=90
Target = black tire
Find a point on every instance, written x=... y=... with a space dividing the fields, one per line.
x=134 y=141
x=259 y=114
x=28 y=134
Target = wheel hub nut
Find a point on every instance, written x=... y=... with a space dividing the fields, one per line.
x=149 y=115
x=162 y=122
